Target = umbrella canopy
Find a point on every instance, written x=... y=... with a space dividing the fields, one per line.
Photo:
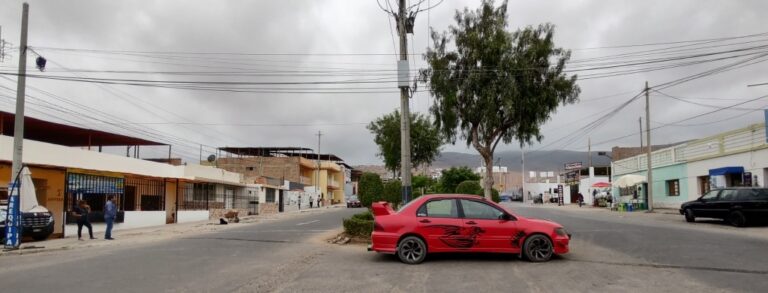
x=601 y=185
x=629 y=180
x=28 y=198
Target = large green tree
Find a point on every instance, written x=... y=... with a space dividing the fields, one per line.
x=371 y=189
x=451 y=178
x=496 y=85
x=425 y=140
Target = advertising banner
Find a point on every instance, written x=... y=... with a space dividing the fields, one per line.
x=13 y=219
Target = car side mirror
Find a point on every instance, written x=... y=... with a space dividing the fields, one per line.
x=506 y=217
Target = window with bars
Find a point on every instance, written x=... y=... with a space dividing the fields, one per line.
x=673 y=187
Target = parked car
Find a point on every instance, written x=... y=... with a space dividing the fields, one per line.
x=353 y=202
x=739 y=206
x=462 y=223
x=36 y=223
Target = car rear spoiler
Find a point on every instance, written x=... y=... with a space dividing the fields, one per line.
x=382 y=208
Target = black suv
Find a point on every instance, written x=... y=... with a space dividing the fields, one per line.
x=737 y=205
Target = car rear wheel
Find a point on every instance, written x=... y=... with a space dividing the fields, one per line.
x=412 y=250
x=737 y=219
x=689 y=217
x=538 y=248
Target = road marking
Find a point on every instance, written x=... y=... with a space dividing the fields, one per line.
x=310 y=222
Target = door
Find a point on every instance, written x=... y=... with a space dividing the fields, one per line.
x=488 y=228
x=439 y=223
x=721 y=207
x=704 y=205
x=280 y=203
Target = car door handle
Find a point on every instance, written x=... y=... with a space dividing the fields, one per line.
x=425 y=221
x=471 y=223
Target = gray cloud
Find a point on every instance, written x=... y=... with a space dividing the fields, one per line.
x=359 y=27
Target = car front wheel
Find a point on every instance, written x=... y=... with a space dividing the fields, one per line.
x=538 y=248
x=689 y=217
x=412 y=250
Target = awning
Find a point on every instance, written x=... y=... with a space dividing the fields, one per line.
x=629 y=180
x=726 y=170
x=601 y=185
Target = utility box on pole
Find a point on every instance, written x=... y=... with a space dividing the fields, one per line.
x=403 y=74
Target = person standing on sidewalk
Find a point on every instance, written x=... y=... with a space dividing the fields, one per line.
x=581 y=199
x=311 y=201
x=81 y=211
x=110 y=213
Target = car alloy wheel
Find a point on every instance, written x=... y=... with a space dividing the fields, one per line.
x=411 y=250
x=689 y=217
x=737 y=219
x=538 y=248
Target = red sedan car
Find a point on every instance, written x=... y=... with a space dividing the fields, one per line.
x=462 y=223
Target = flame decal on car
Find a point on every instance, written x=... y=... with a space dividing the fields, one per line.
x=459 y=237
x=516 y=239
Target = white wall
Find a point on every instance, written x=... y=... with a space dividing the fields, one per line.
x=41 y=153
x=209 y=173
x=585 y=187
x=133 y=220
x=192 y=216
x=754 y=161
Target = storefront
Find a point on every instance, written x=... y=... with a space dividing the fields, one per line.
x=94 y=188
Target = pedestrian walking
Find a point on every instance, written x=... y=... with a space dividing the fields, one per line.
x=581 y=199
x=311 y=201
x=110 y=213
x=81 y=212
x=300 y=202
x=319 y=200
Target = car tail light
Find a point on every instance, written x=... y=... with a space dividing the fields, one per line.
x=377 y=226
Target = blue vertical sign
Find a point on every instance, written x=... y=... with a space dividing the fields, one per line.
x=13 y=219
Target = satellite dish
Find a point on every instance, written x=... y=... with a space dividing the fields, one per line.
x=211 y=158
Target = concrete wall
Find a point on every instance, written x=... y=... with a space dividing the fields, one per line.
x=50 y=196
x=192 y=216
x=275 y=167
x=41 y=153
x=755 y=162
x=132 y=220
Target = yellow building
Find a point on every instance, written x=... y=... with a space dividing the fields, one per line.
x=321 y=173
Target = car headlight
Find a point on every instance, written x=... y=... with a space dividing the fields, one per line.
x=561 y=232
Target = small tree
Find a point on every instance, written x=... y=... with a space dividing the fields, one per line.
x=425 y=140
x=451 y=178
x=469 y=187
x=371 y=189
x=392 y=191
x=496 y=85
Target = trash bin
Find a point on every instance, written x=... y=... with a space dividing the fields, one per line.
x=629 y=207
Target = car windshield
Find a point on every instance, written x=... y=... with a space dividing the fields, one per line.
x=352 y=198
x=406 y=205
x=710 y=195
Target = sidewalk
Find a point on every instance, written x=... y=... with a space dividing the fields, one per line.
x=128 y=237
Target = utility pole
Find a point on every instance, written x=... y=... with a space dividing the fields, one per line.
x=522 y=175
x=319 y=134
x=405 y=124
x=18 y=127
x=641 y=131
x=649 y=189
x=589 y=150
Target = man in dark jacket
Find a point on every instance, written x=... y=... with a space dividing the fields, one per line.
x=81 y=212
x=110 y=213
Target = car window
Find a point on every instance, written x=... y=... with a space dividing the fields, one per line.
x=762 y=194
x=728 y=195
x=441 y=208
x=478 y=210
x=711 y=195
x=746 y=194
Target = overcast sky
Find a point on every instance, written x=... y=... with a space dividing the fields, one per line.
x=330 y=29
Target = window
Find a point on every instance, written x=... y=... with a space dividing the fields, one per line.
x=478 y=210
x=704 y=185
x=442 y=208
x=673 y=187
x=270 y=195
x=747 y=195
x=710 y=195
x=728 y=195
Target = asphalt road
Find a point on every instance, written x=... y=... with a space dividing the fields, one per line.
x=610 y=253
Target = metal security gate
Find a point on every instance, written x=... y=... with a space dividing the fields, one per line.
x=94 y=189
